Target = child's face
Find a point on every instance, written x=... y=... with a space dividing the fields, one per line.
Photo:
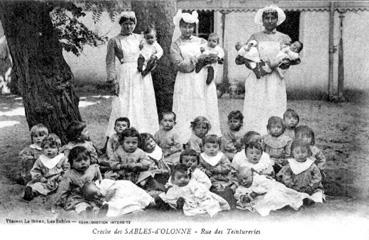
x=300 y=154
x=276 y=129
x=201 y=130
x=211 y=149
x=168 y=122
x=290 y=121
x=81 y=163
x=150 y=37
x=130 y=144
x=295 y=47
x=212 y=42
x=253 y=155
x=190 y=161
x=245 y=178
x=38 y=138
x=234 y=124
x=180 y=179
x=120 y=126
x=50 y=151
x=305 y=138
x=150 y=145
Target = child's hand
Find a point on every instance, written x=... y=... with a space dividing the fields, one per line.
x=29 y=157
x=136 y=167
x=208 y=172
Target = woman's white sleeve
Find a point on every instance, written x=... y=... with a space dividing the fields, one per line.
x=110 y=61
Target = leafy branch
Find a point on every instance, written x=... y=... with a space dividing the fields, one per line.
x=73 y=34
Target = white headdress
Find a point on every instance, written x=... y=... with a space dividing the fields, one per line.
x=127 y=14
x=186 y=17
x=274 y=8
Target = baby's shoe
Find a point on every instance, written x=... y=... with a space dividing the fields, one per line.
x=210 y=76
x=199 y=65
x=140 y=63
x=28 y=194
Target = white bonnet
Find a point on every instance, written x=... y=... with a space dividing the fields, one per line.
x=128 y=15
x=186 y=17
x=280 y=13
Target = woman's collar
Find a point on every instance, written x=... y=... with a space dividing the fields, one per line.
x=124 y=35
x=299 y=167
x=189 y=38
x=271 y=32
x=212 y=160
x=157 y=154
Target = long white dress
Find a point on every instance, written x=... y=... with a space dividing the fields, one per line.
x=198 y=199
x=265 y=97
x=192 y=96
x=272 y=195
x=136 y=98
x=123 y=197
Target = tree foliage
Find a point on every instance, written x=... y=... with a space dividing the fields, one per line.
x=73 y=34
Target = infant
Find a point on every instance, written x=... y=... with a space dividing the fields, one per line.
x=251 y=53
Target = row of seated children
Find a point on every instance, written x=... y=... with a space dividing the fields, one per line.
x=129 y=162
x=77 y=191
x=44 y=161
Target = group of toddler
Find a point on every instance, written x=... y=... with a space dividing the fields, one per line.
x=208 y=174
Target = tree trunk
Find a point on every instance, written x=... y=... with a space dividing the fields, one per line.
x=44 y=78
x=160 y=14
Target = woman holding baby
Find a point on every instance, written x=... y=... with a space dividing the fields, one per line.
x=265 y=95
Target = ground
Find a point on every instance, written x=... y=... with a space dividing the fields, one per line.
x=342 y=131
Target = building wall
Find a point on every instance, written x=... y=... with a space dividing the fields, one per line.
x=238 y=28
x=356 y=49
x=90 y=65
x=1 y=30
x=312 y=73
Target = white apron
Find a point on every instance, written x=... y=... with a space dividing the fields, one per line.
x=193 y=98
x=136 y=98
